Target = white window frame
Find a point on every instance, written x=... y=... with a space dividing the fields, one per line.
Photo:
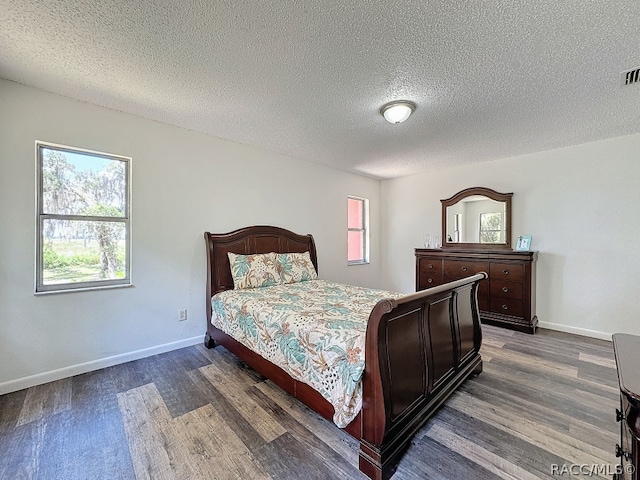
x=365 y=238
x=501 y=231
x=40 y=287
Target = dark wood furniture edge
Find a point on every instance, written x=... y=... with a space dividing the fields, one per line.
x=512 y=323
x=625 y=348
x=480 y=253
x=384 y=429
x=385 y=436
x=628 y=379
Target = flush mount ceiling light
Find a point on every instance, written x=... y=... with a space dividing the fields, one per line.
x=398 y=111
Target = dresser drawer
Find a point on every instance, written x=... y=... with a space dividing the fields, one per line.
x=430 y=265
x=502 y=289
x=456 y=269
x=506 y=306
x=506 y=298
x=428 y=280
x=483 y=289
x=512 y=272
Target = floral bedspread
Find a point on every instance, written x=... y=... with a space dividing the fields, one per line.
x=314 y=330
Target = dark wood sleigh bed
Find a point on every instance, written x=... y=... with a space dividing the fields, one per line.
x=419 y=349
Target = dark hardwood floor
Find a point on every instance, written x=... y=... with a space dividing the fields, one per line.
x=194 y=413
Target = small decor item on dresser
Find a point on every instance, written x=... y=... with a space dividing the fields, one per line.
x=428 y=240
x=432 y=241
x=524 y=243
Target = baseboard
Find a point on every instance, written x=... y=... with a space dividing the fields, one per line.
x=575 y=330
x=52 y=375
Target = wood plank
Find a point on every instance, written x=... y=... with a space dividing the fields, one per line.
x=475 y=453
x=572 y=449
x=151 y=439
x=565 y=377
x=543 y=393
x=96 y=434
x=10 y=408
x=598 y=360
x=47 y=399
x=225 y=409
x=179 y=393
x=188 y=358
x=507 y=444
x=526 y=363
x=340 y=466
x=233 y=386
x=21 y=447
x=213 y=448
x=481 y=389
x=286 y=458
x=130 y=375
x=427 y=458
x=598 y=374
x=337 y=439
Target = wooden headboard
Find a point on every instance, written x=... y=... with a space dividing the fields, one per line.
x=247 y=241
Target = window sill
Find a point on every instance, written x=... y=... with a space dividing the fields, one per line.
x=82 y=289
x=358 y=263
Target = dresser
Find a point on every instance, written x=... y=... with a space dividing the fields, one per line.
x=627 y=348
x=507 y=298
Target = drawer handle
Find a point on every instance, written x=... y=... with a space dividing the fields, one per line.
x=504 y=307
x=506 y=272
x=464 y=269
x=430 y=265
x=430 y=280
x=505 y=289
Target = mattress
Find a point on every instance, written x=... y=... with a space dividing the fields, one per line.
x=314 y=330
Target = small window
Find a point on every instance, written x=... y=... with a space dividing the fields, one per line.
x=83 y=221
x=457 y=227
x=358 y=230
x=491 y=227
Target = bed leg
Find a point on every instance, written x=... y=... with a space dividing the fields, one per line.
x=478 y=370
x=208 y=341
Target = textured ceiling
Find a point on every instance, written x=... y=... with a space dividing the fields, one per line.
x=491 y=79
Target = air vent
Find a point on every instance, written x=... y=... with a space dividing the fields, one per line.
x=630 y=77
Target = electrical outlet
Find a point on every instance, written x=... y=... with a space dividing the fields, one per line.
x=182 y=315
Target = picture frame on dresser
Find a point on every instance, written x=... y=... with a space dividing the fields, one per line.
x=524 y=243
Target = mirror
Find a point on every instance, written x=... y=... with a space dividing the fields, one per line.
x=477 y=218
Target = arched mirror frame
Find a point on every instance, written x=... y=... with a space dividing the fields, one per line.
x=493 y=195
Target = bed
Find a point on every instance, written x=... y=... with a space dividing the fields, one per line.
x=418 y=348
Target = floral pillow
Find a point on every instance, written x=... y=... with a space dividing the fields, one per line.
x=295 y=267
x=253 y=271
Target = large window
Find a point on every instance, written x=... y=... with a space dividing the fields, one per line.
x=358 y=230
x=83 y=221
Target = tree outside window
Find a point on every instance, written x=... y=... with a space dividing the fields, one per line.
x=83 y=219
x=491 y=227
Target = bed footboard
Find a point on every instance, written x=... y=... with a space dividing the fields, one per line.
x=419 y=349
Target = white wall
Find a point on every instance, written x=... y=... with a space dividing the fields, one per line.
x=579 y=203
x=183 y=184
